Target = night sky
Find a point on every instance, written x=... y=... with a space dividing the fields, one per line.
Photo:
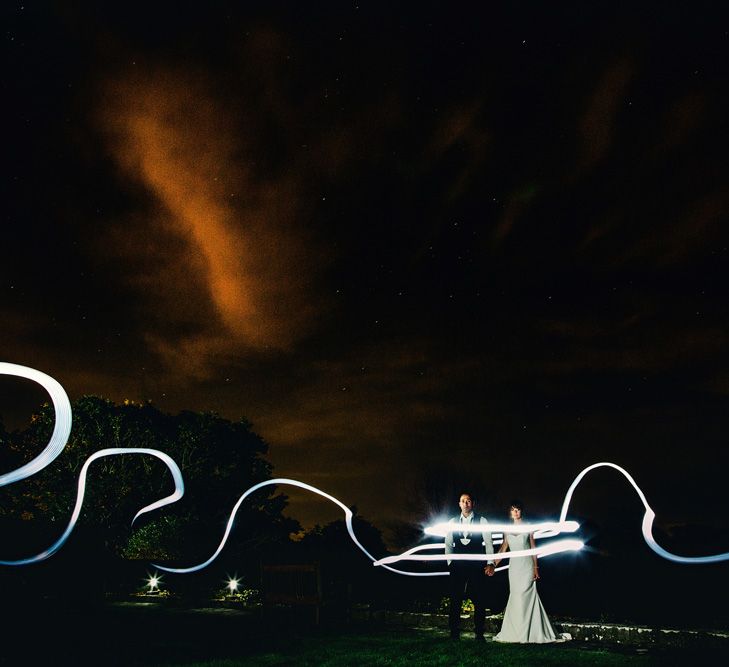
x=484 y=244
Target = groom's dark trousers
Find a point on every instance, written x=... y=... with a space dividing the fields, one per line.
x=466 y=580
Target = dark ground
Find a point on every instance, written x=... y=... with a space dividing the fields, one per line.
x=133 y=634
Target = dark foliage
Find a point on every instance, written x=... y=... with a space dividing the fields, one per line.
x=219 y=460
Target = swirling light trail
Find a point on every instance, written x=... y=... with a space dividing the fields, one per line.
x=648 y=518
x=114 y=451
x=56 y=444
x=62 y=430
x=411 y=555
x=547 y=550
x=548 y=527
x=426 y=547
x=348 y=516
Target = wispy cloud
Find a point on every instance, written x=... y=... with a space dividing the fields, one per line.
x=237 y=252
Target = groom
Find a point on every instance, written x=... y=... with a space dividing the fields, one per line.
x=467 y=577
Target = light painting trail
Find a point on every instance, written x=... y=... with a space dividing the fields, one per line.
x=348 y=516
x=648 y=517
x=428 y=547
x=548 y=550
x=546 y=528
x=496 y=531
x=55 y=446
x=114 y=451
x=62 y=430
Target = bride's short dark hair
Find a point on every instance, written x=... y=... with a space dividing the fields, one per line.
x=518 y=504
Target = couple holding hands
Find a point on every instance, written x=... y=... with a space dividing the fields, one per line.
x=525 y=620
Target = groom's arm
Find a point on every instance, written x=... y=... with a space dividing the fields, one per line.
x=488 y=543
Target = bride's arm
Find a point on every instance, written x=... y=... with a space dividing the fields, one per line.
x=504 y=546
x=534 y=557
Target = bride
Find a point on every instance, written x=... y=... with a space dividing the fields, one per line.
x=525 y=620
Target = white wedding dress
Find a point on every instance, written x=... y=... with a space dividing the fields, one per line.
x=525 y=620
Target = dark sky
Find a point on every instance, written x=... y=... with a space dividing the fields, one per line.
x=484 y=243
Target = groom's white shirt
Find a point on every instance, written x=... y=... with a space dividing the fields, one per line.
x=466 y=536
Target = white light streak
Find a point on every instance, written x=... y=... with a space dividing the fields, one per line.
x=348 y=516
x=648 y=517
x=546 y=550
x=56 y=444
x=497 y=529
x=113 y=451
x=62 y=430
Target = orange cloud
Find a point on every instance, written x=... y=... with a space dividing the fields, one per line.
x=170 y=134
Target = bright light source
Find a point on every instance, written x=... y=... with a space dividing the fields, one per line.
x=442 y=528
x=153 y=582
x=233 y=585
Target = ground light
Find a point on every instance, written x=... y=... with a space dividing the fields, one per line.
x=153 y=582
x=232 y=585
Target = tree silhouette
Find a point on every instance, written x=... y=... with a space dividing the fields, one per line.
x=219 y=460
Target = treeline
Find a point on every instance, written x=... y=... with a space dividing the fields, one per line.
x=219 y=460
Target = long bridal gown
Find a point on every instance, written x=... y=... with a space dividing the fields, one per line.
x=525 y=620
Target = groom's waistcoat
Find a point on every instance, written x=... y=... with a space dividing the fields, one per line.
x=476 y=541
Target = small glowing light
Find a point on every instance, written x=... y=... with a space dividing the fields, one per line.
x=233 y=585
x=153 y=582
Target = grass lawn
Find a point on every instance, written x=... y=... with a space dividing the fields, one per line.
x=413 y=648
x=134 y=635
